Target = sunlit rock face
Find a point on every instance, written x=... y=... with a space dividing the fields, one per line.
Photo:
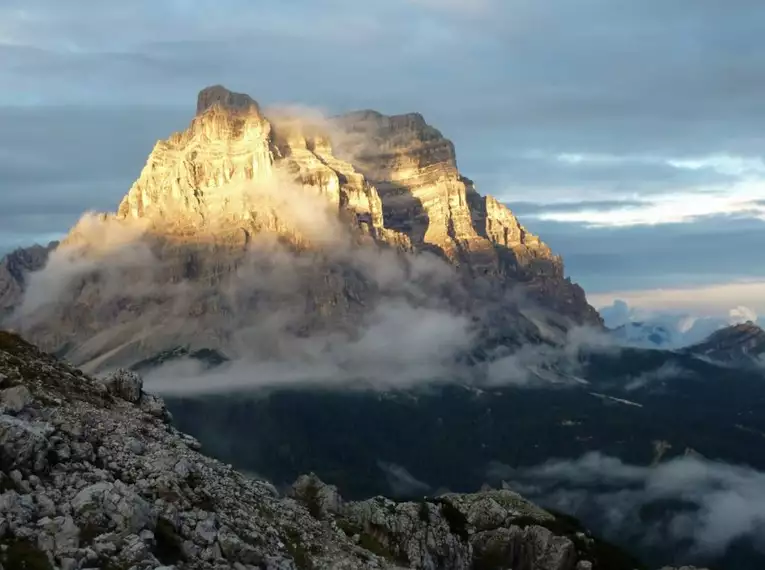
x=424 y=196
x=226 y=167
x=251 y=219
x=399 y=180
x=195 y=176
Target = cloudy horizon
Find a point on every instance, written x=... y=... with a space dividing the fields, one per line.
x=628 y=135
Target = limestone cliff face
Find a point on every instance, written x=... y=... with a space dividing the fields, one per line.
x=424 y=196
x=197 y=251
x=226 y=168
x=398 y=180
x=228 y=142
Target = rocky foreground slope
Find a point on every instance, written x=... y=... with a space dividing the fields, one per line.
x=93 y=475
x=246 y=221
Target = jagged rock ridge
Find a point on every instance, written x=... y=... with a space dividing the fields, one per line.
x=94 y=475
x=216 y=205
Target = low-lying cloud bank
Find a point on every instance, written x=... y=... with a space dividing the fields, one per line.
x=642 y=326
x=397 y=346
x=680 y=327
x=342 y=313
x=693 y=507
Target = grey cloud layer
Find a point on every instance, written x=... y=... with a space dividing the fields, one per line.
x=680 y=77
x=700 y=507
x=57 y=162
x=713 y=250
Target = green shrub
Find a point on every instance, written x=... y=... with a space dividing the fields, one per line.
x=22 y=554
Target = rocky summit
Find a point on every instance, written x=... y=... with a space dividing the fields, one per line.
x=94 y=475
x=251 y=213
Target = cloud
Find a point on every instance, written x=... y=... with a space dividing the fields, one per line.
x=672 y=190
x=667 y=371
x=676 y=327
x=681 y=206
x=57 y=163
x=700 y=507
x=742 y=314
x=277 y=316
x=608 y=260
x=402 y=482
x=94 y=241
x=459 y=7
x=398 y=346
x=747 y=298
x=544 y=365
x=303 y=302
x=532 y=210
x=309 y=304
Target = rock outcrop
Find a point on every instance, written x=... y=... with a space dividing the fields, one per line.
x=93 y=475
x=243 y=215
x=489 y=530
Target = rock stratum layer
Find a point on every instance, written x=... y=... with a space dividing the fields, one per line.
x=244 y=216
x=94 y=475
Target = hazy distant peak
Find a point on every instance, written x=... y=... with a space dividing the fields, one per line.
x=736 y=343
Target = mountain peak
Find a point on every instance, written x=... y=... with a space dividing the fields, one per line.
x=211 y=195
x=222 y=97
x=741 y=342
x=739 y=332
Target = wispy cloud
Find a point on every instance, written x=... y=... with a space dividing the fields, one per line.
x=739 y=195
x=700 y=507
x=708 y=301
x=678 y=207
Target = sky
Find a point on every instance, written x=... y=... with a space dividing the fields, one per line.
x=629 y=134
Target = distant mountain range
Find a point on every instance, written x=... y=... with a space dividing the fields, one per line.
x=667 y=329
